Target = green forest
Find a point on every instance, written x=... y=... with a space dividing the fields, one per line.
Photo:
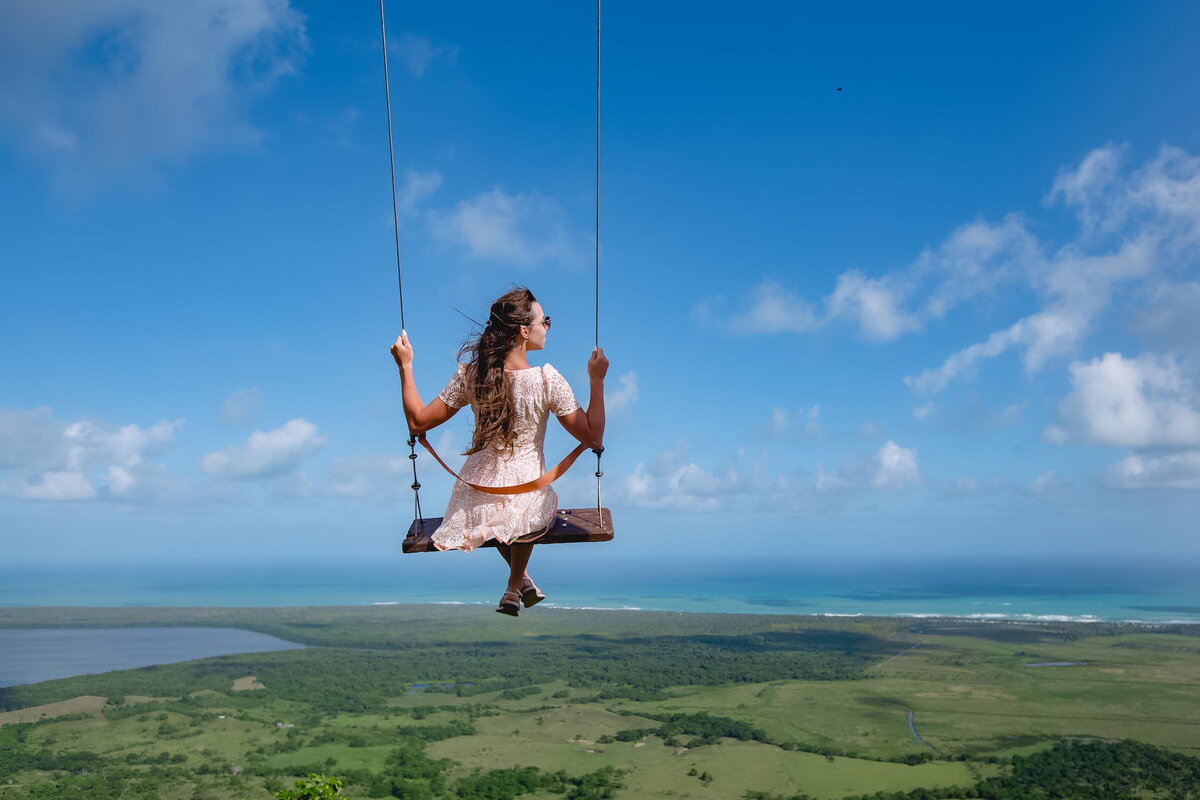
x=435 y=702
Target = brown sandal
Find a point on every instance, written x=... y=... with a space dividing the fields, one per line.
x=510 y=607
x=530 y=594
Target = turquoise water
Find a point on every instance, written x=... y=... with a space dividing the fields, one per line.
x=1117 y=589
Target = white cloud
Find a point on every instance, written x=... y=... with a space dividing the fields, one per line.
x=934 y=380
x=418 y=52
x=1081 y=286
x=1161 y=197
x=895 y=467
x=110 y=91
x=626 y=395
x=1090 y=187
x=891 y=467
x=55 y=460
x=773 y=309
x=416 y=187
x=673 y=480
x=1171 y=471
x=266 y=454
x=242 y=407
x=1135 y=228
x=975 y=260
x=874 y=303
x=1140 y=402
x=519 y=229
x=58 y=486
x=688 y=487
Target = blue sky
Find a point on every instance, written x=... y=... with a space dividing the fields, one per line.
x=950 y=309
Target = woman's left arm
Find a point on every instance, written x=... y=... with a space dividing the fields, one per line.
x=420 y=417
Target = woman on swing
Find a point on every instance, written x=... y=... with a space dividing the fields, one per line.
x=512 y=402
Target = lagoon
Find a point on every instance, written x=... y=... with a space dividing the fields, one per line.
x=29 y=655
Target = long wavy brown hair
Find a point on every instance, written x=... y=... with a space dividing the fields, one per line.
x=495 y=412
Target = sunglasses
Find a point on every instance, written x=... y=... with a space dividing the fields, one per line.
x=546 y=322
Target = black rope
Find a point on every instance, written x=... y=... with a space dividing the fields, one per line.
x=598 y=450
x=416 y=484
x=387 y=93
x=597 y=219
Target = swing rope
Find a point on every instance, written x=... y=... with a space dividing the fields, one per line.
x=387 y=93
x=596 y=236
x=413 y=437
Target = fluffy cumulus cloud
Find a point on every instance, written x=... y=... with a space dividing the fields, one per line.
x=974 y=260
x=1137 y=230
x=1129 y=402
x=891 y=467
x=416 y=187
x=773 y=308
x=44 y=458
x=1146 y=404
x=1170 y=471
x=265 y=454
x=523 y=229
x=108 y=91
x=1138 y=234
x=872 y=303
x=676 y=481
x=625 y=395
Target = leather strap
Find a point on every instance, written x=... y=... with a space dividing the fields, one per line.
x=545 y=480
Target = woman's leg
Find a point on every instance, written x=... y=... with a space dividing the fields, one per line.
x=518 y=558
x=506 y=553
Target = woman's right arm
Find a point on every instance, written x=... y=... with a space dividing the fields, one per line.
x=420 y=417
x=588 y=427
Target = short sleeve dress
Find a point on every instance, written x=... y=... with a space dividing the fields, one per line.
x=472 y=517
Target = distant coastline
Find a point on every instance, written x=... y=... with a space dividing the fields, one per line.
x=1036 y=590
x=46 y=643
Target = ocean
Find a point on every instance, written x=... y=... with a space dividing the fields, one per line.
x=579 y=576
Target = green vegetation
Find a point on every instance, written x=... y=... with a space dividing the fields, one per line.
x=1068 y=771
x=590 y=705
x=314 y=787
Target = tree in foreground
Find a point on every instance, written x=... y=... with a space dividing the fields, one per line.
x=314 y=787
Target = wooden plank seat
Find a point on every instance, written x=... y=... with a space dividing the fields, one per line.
x=570 y=525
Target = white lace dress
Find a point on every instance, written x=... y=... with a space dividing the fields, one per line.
x=472 y=517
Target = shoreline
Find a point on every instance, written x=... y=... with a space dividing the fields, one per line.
x=6 y=612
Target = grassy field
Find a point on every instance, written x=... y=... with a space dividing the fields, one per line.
x=967 y=686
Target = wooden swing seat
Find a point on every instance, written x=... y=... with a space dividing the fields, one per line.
x=570 y=525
